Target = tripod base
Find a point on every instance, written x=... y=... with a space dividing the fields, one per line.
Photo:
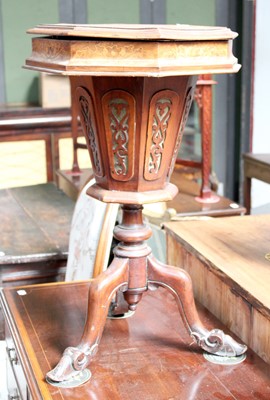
x=133 y=271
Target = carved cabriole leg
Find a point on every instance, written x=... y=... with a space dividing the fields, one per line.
x=133 y=271
x=179 y=282
x=101 y=291
x=128 y=273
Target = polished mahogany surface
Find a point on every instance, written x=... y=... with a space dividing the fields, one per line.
x=147 y=356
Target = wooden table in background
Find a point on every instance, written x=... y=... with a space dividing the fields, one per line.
x=35 y=225
x=255 y=166
x=37 y=123
x=229 y=262
x=147 y=356
x=185 y=203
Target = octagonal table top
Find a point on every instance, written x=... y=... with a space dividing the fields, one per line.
x=132 y=50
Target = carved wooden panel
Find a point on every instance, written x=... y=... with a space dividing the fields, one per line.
x=185 y=113
x=119 y=118
x=88 y=121
x=161 y=127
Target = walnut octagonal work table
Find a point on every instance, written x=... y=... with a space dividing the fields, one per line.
x=133 y=86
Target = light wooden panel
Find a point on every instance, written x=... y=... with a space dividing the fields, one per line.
x=260 y=340
x=226 y=260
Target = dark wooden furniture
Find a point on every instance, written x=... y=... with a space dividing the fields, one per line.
x=229 y=262
x=255 y=166
x=34 y=239
x=185 y=203
x=203 y=98
x=71 y=181
x=36 y=123
x=134 y=86
x=149 y=355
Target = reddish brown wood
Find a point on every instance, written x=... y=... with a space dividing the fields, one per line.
x=143 y=99
x=203 y=98
x=149 y=355
x=133 y=97
x=75 y=170
x=133 y=271
x=184 y=204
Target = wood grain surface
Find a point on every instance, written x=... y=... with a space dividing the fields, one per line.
x=234 y=246
x=149 y=355
x=35 y=223
x=125 y=50
x=226 y=259
x=136 y=31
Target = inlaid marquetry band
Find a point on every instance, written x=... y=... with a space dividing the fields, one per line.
x=88 y=121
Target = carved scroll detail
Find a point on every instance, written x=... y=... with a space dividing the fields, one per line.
x=119 y=116
x=119 y=113
x=187 y=105
x=87 y=117
x=160 y=128
x=216 y=342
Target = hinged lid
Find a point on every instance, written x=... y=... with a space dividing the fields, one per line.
x=137 y=32
x=132 y=50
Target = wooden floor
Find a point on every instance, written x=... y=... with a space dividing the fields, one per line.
x=148 y=356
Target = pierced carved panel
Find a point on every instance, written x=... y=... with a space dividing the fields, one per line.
x=87 y=117
x=161 y=127
x=119 y=116
x=186 y=109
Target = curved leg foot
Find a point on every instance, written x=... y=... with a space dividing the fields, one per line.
x=75 y=359
x=179 y=282
x=217 y=342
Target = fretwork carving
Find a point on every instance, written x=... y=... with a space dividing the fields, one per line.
x=88 y=122
x=159 y=127
x=187 y=105
x=119 y=123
